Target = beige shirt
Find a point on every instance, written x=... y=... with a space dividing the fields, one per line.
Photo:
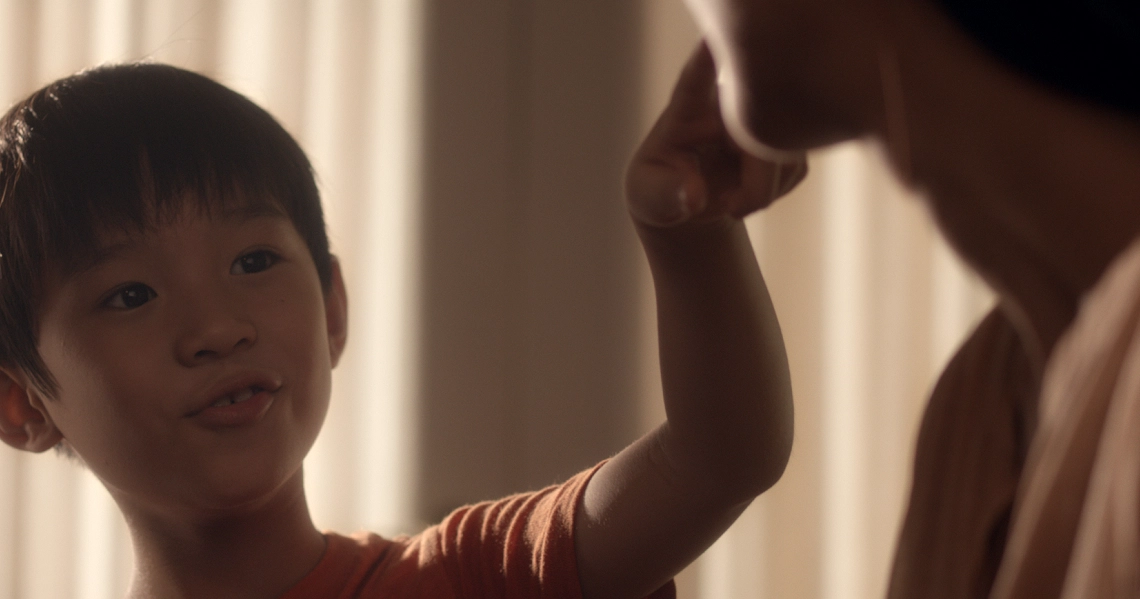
x=1009 y=505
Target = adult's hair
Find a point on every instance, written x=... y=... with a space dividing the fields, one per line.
x=1089 y=49
x=124 y=148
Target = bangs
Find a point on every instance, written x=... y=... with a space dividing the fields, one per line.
x=136 y=152
x=148 y=197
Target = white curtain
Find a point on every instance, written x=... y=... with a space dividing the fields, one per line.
x=871 y=302
x=340 y=76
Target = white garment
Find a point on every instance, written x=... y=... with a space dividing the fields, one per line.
x=1075 y=533
x=1068 y=501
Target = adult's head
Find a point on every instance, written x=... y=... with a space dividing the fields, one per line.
x=797 y=74
x=1019 y=120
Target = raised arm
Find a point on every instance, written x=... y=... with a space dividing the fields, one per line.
x=661 y=502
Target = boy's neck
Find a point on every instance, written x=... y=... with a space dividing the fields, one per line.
x=260 y=553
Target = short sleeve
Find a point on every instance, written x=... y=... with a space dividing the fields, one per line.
x=520 y=547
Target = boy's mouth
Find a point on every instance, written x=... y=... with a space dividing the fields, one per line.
x=236 y=390
x=236 y=397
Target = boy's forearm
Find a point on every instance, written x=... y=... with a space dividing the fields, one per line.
x=657 y=505
x=724 y=369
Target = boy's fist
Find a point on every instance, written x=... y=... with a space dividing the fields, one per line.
x=688 y=169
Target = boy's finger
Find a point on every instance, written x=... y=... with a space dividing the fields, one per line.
x=763 y=182
x=662 y=195
x=696 y=91
x=794 y=173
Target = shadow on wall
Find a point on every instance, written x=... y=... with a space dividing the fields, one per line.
x=530 y=280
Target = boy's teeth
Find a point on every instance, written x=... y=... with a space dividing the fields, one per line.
x=233 y=398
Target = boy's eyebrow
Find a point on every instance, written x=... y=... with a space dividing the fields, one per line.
x=97 y=256
x=238 y=214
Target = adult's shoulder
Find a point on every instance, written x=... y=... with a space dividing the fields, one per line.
x=1075 y=533
x=967 y=465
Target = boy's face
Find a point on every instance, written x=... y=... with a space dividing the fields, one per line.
x=152 y=343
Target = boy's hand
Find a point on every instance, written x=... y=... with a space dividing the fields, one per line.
x=688 y=169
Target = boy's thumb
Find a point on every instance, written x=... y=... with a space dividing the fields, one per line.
x=658 y=196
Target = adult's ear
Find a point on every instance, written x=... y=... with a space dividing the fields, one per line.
x=24 y=423
x=336 y=313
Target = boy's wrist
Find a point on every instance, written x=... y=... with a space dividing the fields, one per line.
x=695 y=246
x=689 y=232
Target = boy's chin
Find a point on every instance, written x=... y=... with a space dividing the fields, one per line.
x=238 y=485
x=263 y=469
x=225 y=499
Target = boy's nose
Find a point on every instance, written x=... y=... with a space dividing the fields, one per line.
x=215 y=339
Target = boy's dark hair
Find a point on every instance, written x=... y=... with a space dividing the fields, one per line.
x=124 y=147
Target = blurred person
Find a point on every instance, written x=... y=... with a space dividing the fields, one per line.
x=1020 y=124
x=171 y=314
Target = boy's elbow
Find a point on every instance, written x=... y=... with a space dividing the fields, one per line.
x=739 y=459
x=764 y=451
x=754 y=468
x=768 y=464
x=776 y=470
x=763 y=439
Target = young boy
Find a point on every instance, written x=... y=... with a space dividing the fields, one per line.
x=171 y=315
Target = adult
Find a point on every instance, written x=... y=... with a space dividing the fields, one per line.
x=1020 y=123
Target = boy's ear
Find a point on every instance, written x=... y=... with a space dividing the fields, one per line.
x=336 y=313
x=24 y=423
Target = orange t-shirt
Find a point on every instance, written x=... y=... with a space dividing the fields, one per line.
x=515 y=548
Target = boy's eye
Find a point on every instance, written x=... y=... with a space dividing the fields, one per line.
x=253 y=262
x=131 y=296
